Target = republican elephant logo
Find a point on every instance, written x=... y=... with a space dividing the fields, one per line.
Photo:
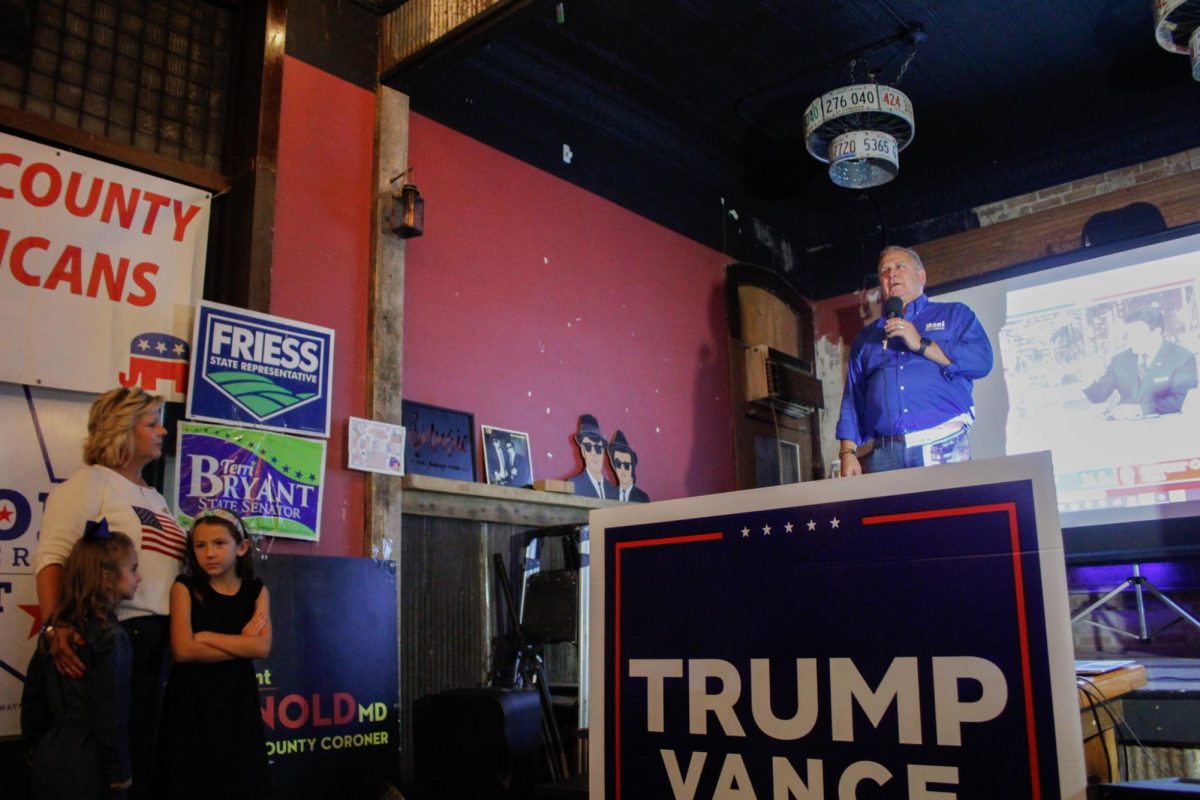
x=157 y=357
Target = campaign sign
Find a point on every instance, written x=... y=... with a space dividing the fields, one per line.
x=262 y=371
x=902 y=635
x=43 y=429
x=99 y=267
x=329 y=691
x=272 y=480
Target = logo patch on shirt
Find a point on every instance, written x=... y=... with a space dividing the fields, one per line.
x=935 y=326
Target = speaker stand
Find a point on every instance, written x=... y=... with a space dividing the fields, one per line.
x=1140 y=585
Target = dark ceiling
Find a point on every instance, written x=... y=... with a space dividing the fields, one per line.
x=690 y=112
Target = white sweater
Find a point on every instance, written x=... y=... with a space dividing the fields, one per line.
x=139 y=512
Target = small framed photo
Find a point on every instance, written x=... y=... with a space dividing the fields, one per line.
x=438 y=441
x=506 y=457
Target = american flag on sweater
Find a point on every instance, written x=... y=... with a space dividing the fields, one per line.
x=161 y=533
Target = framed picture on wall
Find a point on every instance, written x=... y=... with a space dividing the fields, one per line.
x=438 y=441
x=506 y=457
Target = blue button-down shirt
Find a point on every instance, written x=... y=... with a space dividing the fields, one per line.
x=894 y=391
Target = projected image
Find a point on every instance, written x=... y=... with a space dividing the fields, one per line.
x=1101 y=369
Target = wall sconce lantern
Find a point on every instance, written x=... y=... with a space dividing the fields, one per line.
x=408 y=212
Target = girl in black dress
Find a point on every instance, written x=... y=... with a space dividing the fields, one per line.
x=80 y=726
x=212 y=743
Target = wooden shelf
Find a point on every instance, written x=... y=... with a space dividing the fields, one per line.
x=441 y=497
x=1099 y=726
x=1112 y=685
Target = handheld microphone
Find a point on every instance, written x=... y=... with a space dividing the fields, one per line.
x=892 y=307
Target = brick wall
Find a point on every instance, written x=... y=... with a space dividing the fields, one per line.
x=1086 y=188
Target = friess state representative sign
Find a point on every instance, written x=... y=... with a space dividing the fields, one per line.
x=261 y=371
x=892 y=636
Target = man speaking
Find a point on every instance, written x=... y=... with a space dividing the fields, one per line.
x=911 y=372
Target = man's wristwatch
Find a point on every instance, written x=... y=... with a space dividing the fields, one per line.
x=924 y=346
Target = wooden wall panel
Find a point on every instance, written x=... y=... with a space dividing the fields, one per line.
x=768 y=320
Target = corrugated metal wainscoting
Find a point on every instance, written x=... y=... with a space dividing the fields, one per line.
x=446 y=615
x=451 y=610
x=1146 y=763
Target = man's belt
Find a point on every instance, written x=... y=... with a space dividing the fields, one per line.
x=924 y=437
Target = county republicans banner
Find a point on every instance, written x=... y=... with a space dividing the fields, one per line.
x=99 y=267
x=262 y=371
x=273 y=481
x=903 y=635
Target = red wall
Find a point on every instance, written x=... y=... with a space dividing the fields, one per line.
x=529 y=301
x=320 y=267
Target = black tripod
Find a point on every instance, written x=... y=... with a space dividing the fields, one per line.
x=1140 y=584
x=530 y=672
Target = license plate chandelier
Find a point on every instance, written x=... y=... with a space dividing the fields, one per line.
x=1177 y=28
x=860 y=129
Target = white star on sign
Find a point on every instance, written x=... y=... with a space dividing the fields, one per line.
x=160 y=347
x=833 y=523
x=812 y=525
x=143 y=344
x=766 y=530
x=745 y=532
x=788 y=527
x=178 y=349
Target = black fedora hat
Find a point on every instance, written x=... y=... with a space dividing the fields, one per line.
x=621 y=445
x=590 y=428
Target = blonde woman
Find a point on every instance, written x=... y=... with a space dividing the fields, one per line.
x=125 y=433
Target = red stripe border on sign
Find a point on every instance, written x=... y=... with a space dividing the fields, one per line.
x=1022 y=613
